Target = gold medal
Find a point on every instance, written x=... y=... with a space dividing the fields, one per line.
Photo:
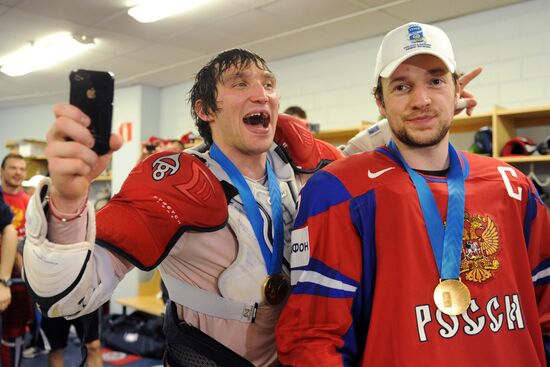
x=276 y=288
x=452 y=297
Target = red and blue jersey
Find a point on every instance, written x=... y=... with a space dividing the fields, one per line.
x=363 y=270
x=18 y=203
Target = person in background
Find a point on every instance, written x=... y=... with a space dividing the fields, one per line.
x=173 y=145
x=16 y=316
x=297 y=112
x=87 y=328
x=156 y=145
x=8 y=248
x=415 y=254
x=216 y=223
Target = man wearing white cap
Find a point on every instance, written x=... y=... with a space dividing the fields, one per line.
x=415 y=254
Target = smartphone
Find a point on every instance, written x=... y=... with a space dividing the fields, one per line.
x=93 y=91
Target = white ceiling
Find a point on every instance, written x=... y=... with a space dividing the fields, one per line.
x=172 y=50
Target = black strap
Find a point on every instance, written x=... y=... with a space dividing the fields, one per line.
x=187 y=346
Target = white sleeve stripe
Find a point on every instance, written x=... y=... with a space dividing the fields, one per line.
x=541 y=274
x=305 y=276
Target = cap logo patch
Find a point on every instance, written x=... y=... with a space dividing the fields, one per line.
x=416 y=38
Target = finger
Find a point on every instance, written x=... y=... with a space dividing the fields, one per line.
x=466 y=94
x=471 y=104
x=65 y=128
x=115 y=142
x=71 y=112
x=465 y=103
x=68 y=167
x=467 y=78
x=71 y=149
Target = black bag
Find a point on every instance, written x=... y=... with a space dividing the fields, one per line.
x=138 y=333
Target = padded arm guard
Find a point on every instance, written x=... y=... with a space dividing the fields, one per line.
x=368 y=139
x=164 y=196
x=64 y=280
x=305 y=153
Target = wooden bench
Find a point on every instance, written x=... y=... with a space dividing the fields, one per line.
x=149 y=304
x=148 y=298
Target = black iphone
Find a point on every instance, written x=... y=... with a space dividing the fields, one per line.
x=93 y=91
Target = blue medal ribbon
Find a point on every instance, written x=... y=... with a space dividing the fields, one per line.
x=273 y=261
x=446 y=241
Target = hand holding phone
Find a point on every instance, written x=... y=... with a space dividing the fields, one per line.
x=92 y=92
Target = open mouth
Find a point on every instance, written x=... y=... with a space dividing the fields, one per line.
x=255 y=119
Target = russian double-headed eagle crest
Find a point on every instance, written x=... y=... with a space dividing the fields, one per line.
x=480 y=243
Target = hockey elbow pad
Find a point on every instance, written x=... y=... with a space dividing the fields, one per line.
x=58 y=277
x=368 y=139
x=305 y=153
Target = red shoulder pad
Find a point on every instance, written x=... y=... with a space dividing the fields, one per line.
x=166 y=194
x=306 y=153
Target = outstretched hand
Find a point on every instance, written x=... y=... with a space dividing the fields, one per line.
x=71 y=161
x=467 y=100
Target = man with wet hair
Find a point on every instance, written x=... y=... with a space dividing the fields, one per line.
x=216 y=222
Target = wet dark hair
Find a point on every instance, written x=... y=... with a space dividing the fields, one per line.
x=205 y=87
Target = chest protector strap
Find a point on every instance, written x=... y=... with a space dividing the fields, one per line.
x=240 y=284
x=208 y=303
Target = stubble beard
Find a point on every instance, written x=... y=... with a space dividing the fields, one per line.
x=421 y=141
x=12 y=185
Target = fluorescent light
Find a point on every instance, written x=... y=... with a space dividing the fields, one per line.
x=148 y=11
x=43 y=53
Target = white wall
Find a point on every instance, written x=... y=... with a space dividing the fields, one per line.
x=175 y=118
x=25 y=122
x=334 y=85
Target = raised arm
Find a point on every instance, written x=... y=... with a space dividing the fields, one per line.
x=66 y=274
x=71 y=161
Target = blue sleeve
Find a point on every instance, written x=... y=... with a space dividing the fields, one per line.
x=6 y=215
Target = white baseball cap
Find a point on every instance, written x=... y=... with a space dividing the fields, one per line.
x=409 y=40
x=33 y=181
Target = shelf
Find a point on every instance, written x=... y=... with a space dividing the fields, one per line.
x=103 y=178
x=525 y=159
x=337 y=136
x=471 y=123
x=36 y=157
x=504 y=123
x=527 y=115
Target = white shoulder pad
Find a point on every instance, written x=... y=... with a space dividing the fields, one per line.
x=60 y=277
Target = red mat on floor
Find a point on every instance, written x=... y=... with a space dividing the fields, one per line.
x=118 y=358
